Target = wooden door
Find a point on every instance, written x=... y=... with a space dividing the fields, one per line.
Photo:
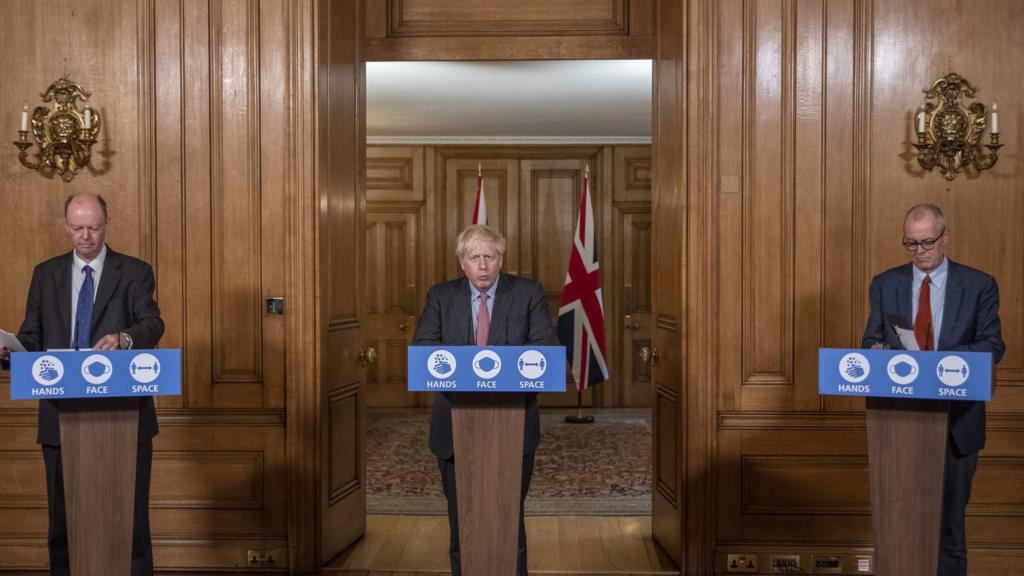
x=668 y=226
x=344 y=354
x=397 y=253
x=630 y=270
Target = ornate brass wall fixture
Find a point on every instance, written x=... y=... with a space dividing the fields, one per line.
x=949 y=131
x=64 y=133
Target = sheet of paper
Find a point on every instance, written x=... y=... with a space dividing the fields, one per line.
x=907 y=338
x=10 y=341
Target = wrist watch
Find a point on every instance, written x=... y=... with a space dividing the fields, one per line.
x=126 y=341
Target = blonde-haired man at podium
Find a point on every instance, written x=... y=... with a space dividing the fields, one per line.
x=92 y=297
x=950 y=307
x=486 y=307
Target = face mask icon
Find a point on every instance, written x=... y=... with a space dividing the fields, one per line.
x=903 y=369
x=486 y=364
x=97 y=369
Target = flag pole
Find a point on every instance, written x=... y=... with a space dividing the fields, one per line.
x=579 y=418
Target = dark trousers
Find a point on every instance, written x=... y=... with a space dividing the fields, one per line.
x=448 y=483
x=955 y=494
x=57 y=539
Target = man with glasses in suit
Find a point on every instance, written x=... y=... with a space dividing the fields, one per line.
x=951 y=307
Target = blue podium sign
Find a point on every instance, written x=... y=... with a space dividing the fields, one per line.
x=94 y=374
x=937 y=375
x=486 y=369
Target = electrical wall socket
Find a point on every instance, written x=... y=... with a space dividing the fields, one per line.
x=864 y=564
x=265 y=557
x=828 y=565
x=741 y=563
x=782 y=563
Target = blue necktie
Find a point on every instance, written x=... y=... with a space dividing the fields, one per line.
x=83 y=313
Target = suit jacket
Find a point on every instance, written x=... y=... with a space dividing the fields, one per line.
x=970 y=322
x=124 y=302
x=520 y=317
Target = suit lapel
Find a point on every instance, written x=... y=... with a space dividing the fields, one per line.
x=62 y=280
x=108 y=281
x=463 y=306
x=503 y=298
x=905 y=291
x=954 y=295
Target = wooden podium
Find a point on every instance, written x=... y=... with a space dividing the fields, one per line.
x=487 y=431
x=906 y=463
x=99 y=444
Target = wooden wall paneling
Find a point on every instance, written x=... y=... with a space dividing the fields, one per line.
x=394 y=174
x=844 y=312
x=404 y=30
x=340 y=152
x=549 y=195
x=197 y=150
x=271 y=132
x=767 y=331
x=235 y=205
x=701 y=344
x=169 y=184
x=458 y=170
x=219 y=489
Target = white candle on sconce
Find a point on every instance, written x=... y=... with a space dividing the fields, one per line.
x=995 y=118
x=24 y=118
x=920 y=121
x=88 y=118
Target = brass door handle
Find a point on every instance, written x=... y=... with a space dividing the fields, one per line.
x=649 y=354
x=367 y=356
x=403 y=326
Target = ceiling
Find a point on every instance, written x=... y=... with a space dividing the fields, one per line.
x=575 y=101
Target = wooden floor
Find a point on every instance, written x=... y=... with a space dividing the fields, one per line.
x=584 y=545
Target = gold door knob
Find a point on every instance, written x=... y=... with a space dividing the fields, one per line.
x=403 y=326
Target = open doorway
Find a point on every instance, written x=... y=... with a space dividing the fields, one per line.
x=530 y=131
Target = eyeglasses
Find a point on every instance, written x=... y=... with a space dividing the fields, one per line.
x=927 y=243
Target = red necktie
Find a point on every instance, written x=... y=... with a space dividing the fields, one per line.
x=923 y=322
x=483 y=321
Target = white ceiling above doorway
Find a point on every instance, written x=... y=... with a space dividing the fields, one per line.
x=522 y=102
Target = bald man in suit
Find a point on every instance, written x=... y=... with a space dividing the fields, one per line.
x=92 y=297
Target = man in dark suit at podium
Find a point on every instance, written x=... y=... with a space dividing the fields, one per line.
x=950 y=307
x=484 y=308
x=92 y=297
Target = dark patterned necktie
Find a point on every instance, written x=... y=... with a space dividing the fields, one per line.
x=83 y=313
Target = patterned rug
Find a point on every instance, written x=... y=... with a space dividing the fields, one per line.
x=599 y=469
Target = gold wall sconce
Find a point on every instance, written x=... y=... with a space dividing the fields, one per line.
x=949 y=132
x=64 y=133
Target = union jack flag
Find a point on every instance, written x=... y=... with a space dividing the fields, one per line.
x=581 y=315
x=480 y=206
